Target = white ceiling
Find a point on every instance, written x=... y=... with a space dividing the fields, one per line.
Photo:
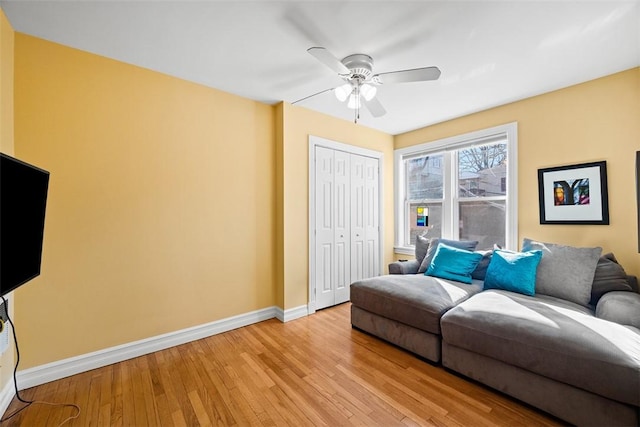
x=490 y=52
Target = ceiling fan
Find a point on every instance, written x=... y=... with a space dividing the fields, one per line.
x=360 y=82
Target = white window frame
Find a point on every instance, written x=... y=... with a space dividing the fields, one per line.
x=446 y=146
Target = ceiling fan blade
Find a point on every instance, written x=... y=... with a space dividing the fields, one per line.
x=406 y=76
x=327 y=58
x=374 y=106
x=312 y=95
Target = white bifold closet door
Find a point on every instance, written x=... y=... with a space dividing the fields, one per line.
x=347 y=223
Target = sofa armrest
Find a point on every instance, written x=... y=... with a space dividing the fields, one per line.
x=404 y=267
x=621 y=307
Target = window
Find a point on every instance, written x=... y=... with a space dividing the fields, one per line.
x=459 y=188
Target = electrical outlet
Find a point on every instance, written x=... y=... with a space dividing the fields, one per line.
x=4 y=334
x=4 y=308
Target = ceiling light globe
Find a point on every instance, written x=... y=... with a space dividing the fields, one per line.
x=368 y=91
x=343 y=92
x=354 y=101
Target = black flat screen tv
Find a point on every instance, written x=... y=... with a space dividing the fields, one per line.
x=23 y=200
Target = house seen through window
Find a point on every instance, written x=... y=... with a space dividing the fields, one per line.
x=457 y=189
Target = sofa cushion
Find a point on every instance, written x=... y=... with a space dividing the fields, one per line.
x=468 y=245
x=609 y=276
x=404 y=267
x=550 y=337
x=422 y=245
x=565 y=271
x=513 y=271
x=621 y=307
x=415 y=300
x=481 y=269
x=453 y=263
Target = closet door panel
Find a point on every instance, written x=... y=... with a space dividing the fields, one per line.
x=342 y=227
x=324 y=228
x=358 y=253
x=372 y=217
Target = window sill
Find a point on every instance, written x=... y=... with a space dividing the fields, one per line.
x=404 y=250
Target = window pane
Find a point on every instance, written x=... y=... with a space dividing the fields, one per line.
x=484 y=222
x=424 y=177
x=483 y=171
x=433 y=226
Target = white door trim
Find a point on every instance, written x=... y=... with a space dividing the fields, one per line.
x=316 y=141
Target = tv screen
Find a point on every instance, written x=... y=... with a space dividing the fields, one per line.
x=23 y=199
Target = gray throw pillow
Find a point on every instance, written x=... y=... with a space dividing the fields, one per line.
x=565 y=271
x=609 y=276
x=469 y=245
x=422 y=244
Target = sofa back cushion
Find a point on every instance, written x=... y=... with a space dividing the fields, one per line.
x=481 y=270
x=565 y=271
x=422 y=245
x=609 y=276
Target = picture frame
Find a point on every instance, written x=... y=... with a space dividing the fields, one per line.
x=574 y=194
x=638 y=194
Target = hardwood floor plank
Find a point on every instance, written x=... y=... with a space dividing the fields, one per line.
x=181 y=390
x=245 y=414
x=211 y=395
x=262 y=379
x=290 y=389
x=315 y=370
x=116 y=405
x=198 y=407
x=93 y=400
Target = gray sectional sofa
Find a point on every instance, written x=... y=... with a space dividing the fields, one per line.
x=576 y=359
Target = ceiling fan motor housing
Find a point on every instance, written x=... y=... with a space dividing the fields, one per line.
x=360 y=65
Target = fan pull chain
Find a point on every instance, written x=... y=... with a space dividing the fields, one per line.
x=356 y=112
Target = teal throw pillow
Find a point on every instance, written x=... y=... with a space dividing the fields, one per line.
x=513 y=271
x=453 y=263
x=469 y=245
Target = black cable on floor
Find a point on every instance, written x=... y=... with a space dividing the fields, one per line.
x=15 y=381
x=15 y=369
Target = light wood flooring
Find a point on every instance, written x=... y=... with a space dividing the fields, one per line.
x=315 y=370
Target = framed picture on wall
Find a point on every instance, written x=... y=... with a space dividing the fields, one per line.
x=574 y=194
x=638 y=194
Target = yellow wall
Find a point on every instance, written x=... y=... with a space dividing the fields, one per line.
x=279 y=243
x=161 y=209
x=298 y=124
x=593 y=121
x=172 y=204
x=6 y=145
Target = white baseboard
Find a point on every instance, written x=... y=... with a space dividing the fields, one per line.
x=74 y=365
x=292 y=313
x=6 y=395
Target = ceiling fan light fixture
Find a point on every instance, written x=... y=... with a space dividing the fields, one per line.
x=354 y=101
x=343 y=92
x=368 y=91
